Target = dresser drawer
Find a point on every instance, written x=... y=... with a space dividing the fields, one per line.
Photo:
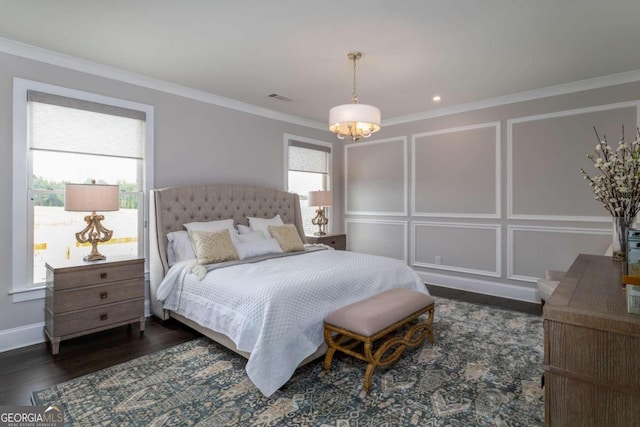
x=96 y=317
x=97 y=275
x=92 y=296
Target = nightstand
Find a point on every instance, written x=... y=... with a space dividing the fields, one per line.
x=85 y=297
x=336 y=241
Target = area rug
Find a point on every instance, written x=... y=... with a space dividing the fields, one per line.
x=483 y=370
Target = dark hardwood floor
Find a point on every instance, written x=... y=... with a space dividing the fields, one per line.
x=34 y=368
x=525 y=307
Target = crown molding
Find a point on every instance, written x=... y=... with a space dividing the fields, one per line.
x=51 y=57
x=562 y=89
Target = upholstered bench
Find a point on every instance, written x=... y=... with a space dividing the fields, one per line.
x=374 y=318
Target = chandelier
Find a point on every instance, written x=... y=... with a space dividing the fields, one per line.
x=354 y=121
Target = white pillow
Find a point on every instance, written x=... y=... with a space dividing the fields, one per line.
x=243 y=229
x=262 y=224
x=180 y=246
x=258 y=247
x=213 y=226
x=251 y=236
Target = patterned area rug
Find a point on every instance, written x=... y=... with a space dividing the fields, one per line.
x=483 y=370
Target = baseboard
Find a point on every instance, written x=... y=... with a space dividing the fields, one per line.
x=21 y=336
x=502 y=290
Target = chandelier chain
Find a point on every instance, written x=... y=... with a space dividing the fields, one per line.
x=354 y=95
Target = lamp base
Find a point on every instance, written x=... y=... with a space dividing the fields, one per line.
x=94 y=257
x=94 y=233
x=320 y=220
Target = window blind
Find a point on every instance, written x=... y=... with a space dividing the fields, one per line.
x=58 y=123
x=305 y=157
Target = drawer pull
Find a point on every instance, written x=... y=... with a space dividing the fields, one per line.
x=103 y=275
x=333 y=242
x=104 y=295
x=104 y=316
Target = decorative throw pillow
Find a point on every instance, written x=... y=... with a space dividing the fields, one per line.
x=213 y=247
x=287 y=237
x=262 y=224
x=258 y=247
x=252 y=236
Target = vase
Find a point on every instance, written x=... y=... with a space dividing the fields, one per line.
x=620 y=226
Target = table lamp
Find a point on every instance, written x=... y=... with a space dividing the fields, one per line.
x=91 y=198
x=321 y=199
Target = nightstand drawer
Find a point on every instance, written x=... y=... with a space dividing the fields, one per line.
x=336 y=241
x=92 y=296
x=97 y=275
x=93 y=318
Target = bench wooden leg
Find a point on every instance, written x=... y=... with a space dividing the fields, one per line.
x=346 y=342
x=370 y=367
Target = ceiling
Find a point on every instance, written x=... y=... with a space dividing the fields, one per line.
x=462 y=50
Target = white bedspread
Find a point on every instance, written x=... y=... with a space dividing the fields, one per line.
x=274 y=308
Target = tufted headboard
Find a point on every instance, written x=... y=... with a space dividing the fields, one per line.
x=172 y=207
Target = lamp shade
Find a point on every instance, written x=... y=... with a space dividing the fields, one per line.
x=320 y=198
x=367 y=119
x=341 y=115
x=91 y=197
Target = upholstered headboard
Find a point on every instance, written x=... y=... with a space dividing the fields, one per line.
x=172 y=207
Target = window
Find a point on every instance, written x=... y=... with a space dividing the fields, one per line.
x=309 y=169
x=65 y=136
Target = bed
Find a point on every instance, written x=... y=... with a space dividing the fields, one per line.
x=267 y=308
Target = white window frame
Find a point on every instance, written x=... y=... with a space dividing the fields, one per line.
x=289 y=137
x=22 y=217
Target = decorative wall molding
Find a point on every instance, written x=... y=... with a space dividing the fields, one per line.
x=540 y=229
x=565 y=113
x=77 y=64
x=498 y=172
x=498 y=239
x=396 y=223
x=405 y=175
x=485 y=287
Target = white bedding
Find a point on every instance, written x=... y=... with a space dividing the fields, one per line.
x=274 y=308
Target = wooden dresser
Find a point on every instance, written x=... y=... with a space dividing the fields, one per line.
x=86 y=297
x=591 y=348
x=336 y=241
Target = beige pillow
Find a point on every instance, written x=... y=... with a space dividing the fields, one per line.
x=287 y=237
x=213 y=247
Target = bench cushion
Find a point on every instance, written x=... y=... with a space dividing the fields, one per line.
x=372 y=315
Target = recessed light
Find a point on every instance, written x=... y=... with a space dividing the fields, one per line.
x=437 y=98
